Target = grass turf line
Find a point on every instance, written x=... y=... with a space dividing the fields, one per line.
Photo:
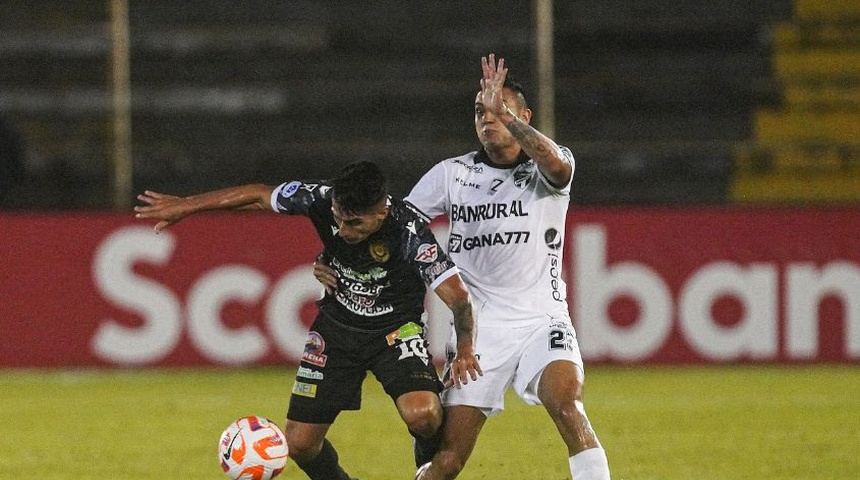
x=716 y=422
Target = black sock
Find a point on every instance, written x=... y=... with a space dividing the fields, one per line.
x=425 y=448
x=324 y=466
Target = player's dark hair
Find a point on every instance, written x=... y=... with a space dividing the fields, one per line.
x=516 y=87
x=359 y=187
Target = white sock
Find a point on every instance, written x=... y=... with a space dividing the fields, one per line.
x=590 y=464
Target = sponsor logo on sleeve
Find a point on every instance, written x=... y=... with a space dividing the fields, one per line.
x=290 y=189
x=427 y=253
x=433 y=271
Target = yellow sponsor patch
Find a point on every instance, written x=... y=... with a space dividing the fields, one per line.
x=305 y=389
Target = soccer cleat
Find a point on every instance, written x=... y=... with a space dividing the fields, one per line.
x=422 y=469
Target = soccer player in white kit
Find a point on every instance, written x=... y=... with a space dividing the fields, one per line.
x=507 y=206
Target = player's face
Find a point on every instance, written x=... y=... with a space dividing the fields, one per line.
x=491 y=132
x=353 y=227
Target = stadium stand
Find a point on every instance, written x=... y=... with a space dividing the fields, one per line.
x=653 y=98
x=807 y=149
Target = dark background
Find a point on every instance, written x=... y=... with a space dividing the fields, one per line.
x=654 y=97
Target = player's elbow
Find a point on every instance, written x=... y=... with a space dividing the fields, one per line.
x=558 y=172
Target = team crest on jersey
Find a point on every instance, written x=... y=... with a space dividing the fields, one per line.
x=379 y=251
x=314 y=346
x=523 y=173
x=427 y=253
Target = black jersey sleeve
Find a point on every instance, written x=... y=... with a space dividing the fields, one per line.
x=423 y=252
x=297 y=197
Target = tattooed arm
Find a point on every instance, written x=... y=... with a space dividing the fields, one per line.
x=511 y=111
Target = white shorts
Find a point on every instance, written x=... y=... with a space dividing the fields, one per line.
x=514 y=356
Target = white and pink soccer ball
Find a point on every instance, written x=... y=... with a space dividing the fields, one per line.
x=252 y=448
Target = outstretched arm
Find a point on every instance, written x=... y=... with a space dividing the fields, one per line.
x=453 y=292
x=543 y=150
x=169 y=209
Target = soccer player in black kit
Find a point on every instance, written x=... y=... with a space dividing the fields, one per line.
x=384 y=256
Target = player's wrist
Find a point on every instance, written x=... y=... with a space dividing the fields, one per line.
x=508 y=116
x=465 y=349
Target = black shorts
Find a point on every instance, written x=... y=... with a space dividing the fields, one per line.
x=336 y=360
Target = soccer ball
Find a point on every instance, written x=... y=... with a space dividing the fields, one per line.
x=252 y=448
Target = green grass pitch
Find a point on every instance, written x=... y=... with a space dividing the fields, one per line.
x=719 y=422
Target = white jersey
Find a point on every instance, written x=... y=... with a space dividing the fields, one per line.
x=507 y=229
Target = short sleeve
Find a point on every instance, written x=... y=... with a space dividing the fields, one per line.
x=429 y=195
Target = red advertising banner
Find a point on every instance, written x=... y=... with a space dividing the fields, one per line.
x=645 y=285
x=105 y=289
x=715 y=284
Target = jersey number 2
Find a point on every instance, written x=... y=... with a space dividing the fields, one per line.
x=558 y=340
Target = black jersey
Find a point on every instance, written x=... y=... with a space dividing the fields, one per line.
x=382 y=280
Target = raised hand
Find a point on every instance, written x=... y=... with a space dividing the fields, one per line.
x=492 y=84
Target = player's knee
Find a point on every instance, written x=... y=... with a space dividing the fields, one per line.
x=423 y=420
x=572 y=414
